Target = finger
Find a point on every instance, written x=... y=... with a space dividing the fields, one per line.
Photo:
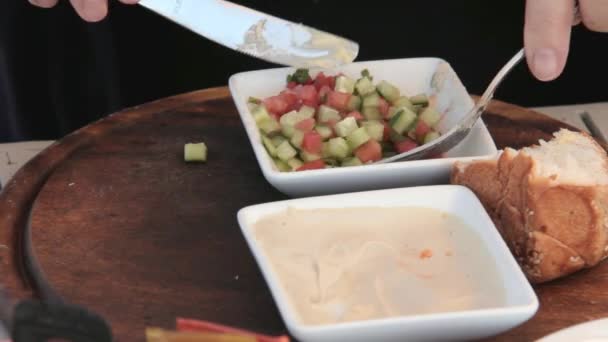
x=91 y=10
x=129 y=2
x=44 y=3
x=595 y=14
x=547 y=36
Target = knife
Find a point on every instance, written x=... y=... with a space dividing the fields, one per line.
x=257 y=34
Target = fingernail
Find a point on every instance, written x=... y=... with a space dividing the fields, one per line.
x=545 y=64
x=94 y=10
x=42 y=3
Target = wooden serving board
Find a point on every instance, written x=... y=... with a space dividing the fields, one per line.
x=119 y=223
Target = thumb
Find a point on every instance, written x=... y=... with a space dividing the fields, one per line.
x=547 y=36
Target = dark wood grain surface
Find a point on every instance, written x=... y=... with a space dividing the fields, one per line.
x=120 y=224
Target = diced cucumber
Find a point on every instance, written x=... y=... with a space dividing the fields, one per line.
x=288 y=131
x=387 y=146
x=375 y=129
x=365 y=86
x=354 y=161
x=254 y=100
x=366 y=73
x=324 y=131
x=195 y=152
x=357 y=138
x=331 y=162
x=338 y=148
x=306 y=112
x=270 y=126
x=403 y=101
x=346 y=126
x=260 y=114
x=288 y=122
x=294 y=163
x=290 y=119
x=354 y=103
x=371 y=113
x=308 y=157
x=270 y=147
x=403 y=120
x=430 y=136
x=327 y=114
x=277 y=140
x=420 y=99
x=430 y=116
x=325 y=150
x=297 y=138
x=396 y=137
x=345 y=84
x=281 y=165
x=392 y=111
x=388 y=91
x=285 y=151
x=371 y=100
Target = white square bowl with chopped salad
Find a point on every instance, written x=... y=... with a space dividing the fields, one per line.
x=317 y=132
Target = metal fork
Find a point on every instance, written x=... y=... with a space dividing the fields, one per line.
x=460 y=131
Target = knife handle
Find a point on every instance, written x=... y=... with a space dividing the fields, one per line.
x=35 y=321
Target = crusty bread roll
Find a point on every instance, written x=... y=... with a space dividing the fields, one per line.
x=549 y=202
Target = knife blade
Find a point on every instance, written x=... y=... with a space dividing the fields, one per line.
x=257 y=34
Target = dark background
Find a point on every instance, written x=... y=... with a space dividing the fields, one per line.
x=58 y=73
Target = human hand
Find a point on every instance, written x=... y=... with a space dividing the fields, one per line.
x=89 y=10
x=547 y=30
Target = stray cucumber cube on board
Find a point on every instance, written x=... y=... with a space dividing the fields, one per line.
x=195 y=152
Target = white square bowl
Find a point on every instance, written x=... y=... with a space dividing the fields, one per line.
x=520 y=305
x=432 y=76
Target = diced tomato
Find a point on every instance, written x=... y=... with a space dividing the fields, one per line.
x=387 y=131
x=291 y=98
x=291 y=85
x=371 y=151
x=323 y=92
x=275 y=116
x=308 y=95
x=313 y=165
x=312 y=142
x=421 y=130
x=383 y=107
x=338 y=100
x=306 y=125
x=321 y=81
x=405 y=145
x=355 y=115
x=276 y=104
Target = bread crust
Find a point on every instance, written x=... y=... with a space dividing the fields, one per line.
x=552 y=229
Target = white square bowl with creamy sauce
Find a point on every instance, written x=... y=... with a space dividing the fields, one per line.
x=411 y=264
x=431 y=76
